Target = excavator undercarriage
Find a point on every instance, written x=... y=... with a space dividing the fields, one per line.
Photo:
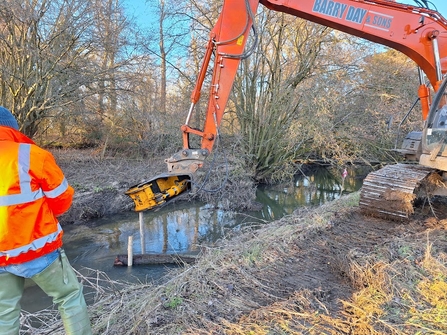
x=391 y=192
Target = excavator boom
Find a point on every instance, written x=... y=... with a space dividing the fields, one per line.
x=411 y=30
x=419 y=33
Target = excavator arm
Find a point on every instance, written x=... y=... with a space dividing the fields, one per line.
x=226 y=48
x=419 y=33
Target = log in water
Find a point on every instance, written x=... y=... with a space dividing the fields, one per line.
x=147 y=259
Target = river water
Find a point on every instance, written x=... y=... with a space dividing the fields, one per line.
x=182 y=227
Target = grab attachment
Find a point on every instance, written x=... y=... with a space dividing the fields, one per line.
x=158 y=191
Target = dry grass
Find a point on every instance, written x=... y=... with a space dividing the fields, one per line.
x=321 y=271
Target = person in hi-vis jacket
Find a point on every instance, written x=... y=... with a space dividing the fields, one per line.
x=33 y=193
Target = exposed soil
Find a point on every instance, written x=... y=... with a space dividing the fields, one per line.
x=100 y=184
x=320 y=264
x=303 y=273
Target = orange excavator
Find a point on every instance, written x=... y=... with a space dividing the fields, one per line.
x=416 y=31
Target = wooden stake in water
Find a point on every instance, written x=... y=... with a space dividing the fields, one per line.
x=343 y=175
x=130 y=251
x=143 y=247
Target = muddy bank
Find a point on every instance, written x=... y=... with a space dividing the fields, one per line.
x=100 y=184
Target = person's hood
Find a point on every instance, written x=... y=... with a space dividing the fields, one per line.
x=10 y=134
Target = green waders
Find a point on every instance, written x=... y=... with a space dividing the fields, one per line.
x=59 y=281
x=10 y=295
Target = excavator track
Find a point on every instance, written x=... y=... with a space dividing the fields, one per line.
x=390 y=192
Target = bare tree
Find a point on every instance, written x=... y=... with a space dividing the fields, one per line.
x=266 y=94
x=110 y=37
x=167 y=43
x=43 y=45
x=348 y=103
x=163 y=55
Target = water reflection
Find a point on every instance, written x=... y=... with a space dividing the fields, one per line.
x=175 y=229
x=312 y=187
x=179 y=228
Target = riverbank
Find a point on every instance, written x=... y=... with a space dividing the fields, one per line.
x=328 y=270
x=100 y=184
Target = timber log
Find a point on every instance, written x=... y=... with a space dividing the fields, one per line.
x=147 y=259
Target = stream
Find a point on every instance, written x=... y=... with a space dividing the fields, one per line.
x=182 y=227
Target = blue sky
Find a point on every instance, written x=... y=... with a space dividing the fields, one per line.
x=141 y=10
x=441 y=5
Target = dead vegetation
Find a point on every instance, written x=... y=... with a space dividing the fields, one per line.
x=100 y=183
x=328 y=270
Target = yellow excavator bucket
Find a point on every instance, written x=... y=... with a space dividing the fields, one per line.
x=157 y=191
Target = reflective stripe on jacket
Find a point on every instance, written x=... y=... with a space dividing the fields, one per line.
x=33 y=191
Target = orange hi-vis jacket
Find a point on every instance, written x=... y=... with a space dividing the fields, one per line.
x=33 y=192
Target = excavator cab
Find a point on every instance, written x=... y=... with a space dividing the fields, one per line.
x=391 y=191
x=434 y=137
